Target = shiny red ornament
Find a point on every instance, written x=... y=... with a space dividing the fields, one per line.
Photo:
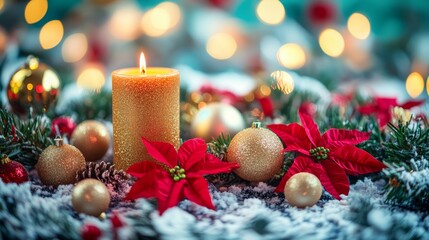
x=12 y=171
x=330 y=156
x=321 y=12
x=90 y=232
x=63 y=126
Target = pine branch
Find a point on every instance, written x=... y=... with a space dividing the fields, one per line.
x=23 y=140
x=407 y=155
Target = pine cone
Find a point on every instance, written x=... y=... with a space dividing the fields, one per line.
x=104 y=172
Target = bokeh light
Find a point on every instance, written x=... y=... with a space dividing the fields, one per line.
x=91 y=77
x=75 y=47
x=3 y=41
x=271 y=11
x=359 y=26
x=35 y=10
x=415 y=84
x=1 y=4
x=156 y=22
x=174 y=11
x=282 y=81
x=124 y=24
x=51 y=34
x=221 y=46
x=161 y=19
x=331 y=42
x=427 y=85
x=291 y=56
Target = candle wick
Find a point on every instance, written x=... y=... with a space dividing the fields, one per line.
x=143 y=71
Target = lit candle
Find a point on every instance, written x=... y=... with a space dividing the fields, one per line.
x=145 y=103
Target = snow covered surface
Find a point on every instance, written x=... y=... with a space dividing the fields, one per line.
x=30 y=211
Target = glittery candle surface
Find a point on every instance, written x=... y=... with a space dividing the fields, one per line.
x=143 y=106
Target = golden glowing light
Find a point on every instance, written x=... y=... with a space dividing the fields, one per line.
x=124 y=24
x=156 y=22
x=1 y=4
x=142 y=63
x=91 y=77
x=221 y=46
x=74 y=47
x=51 y=34
x=35 y=10
x=3 y=41
x=174 y=11
x=331 y=42
x=282 y=81
x=414 y=84
x=359 y=26
x=271 y=11
x=291 y=55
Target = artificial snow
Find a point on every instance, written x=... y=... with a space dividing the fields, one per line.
x=243 y=212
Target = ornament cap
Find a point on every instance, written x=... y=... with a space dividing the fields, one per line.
x=256 y=124
x=32 y=62
x=59 y=141
x=4 y=159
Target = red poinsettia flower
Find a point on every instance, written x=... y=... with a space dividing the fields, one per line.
x=381 y=107
x=330 y=156
x=176 y=175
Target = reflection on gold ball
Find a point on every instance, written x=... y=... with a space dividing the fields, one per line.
x=35 y=85
x=258 y=151
x=91 y=197
x=58 y=164
x=92 y=139
x=303 y=190
x=216 y=118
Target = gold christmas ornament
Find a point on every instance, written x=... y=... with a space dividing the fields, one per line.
x=92 y=139
x=58 y=164
x=33 y=86
x=303 y=190
x=217 y=118
x=91 y=197
x=258 y=151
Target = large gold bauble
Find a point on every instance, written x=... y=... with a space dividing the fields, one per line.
x=33 y=86
x=303 y=190
x=217 y=118
x=258 y=151
x=91 y=197
x=92 y=138
x=58 y=164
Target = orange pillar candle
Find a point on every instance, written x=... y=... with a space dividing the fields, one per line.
x=145 y=103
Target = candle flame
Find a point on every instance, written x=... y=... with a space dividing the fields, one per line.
x=142 y=64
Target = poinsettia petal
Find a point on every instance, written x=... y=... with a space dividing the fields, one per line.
x=292 y=148
x=367 y=109
x=334 y=179
x=174 y=196
x=140 y=169
x=210 y=165
x=198 y=192
x=385 y=102
x=144 y=187
x=412 y=103
x=300 y=164
x=291 y=134
x=311 y=129
x=356 y=161
x=191 y=152
x=335 y=138
x=162 y=152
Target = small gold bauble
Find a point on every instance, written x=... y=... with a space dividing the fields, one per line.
x=91 y=197
x=258 y=151
x=216 y=118
x=58 y=164
x=35 y=86
x=303 y=190
x=92 y=139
